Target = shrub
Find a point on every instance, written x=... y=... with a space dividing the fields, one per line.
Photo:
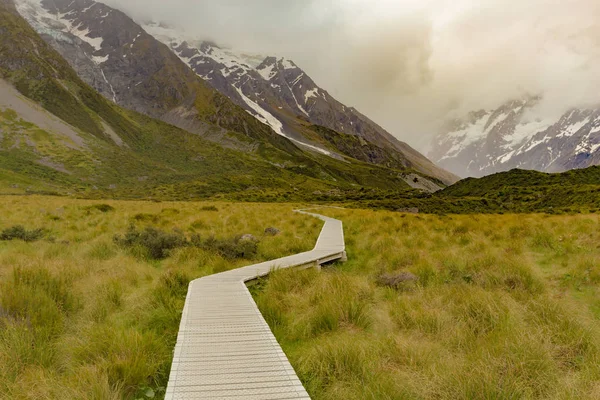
x=234 y=248
x=198 y=224
x=170 y=211
x=20 y=233
x=104 y=208
x=155 y=242
x=272 y=231
x=209 y=208
x=146 y=218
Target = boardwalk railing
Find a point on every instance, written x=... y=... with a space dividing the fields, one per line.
x=225 y=349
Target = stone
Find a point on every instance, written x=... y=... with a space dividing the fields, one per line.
x=272 y=231
x=397 y=281
x=248 y=238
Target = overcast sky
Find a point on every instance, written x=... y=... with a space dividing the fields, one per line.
x=409 y=64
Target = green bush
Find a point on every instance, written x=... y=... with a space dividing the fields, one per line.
x=155 y=242
x=231 y=249
x=104 y=208
x=146 y=218
x=20 y=233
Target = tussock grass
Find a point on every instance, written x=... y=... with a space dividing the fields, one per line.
x=84 y=318
x=505 y=307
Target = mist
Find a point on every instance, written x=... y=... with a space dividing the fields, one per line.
x=412 y=64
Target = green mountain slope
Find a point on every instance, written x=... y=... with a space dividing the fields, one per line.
x=516 y=191
x=520 y=190
x=517 y=181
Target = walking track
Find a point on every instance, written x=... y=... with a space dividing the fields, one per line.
x=225 y=349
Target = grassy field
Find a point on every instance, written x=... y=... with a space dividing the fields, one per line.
x=427 y=307
x=84 y=318
x=503 y=307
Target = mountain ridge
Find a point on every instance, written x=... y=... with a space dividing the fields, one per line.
x=512 y=136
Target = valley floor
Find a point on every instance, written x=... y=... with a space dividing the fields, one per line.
x=427 y=307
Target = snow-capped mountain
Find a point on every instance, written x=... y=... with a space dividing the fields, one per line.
x=516 y=136
x=256 y=83
x=159 y=72
x=274 y=90
x=115 y=56
x=279 y=93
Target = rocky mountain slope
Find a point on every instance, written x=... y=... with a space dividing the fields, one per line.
x=283 y=96
x=122 y=62
x=513 y=136
x=177 y=83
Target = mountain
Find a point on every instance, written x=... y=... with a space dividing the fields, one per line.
x=279 y=93
x=115 y=56
x=129 y=66
x=512 y=136
x=59 y=135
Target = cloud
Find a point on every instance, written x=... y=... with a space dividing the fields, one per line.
x=410 y=64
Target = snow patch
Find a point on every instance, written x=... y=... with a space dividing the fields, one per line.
x=310 y=94
x=87 y=8
x=230 y=61
x=470 y=134
x=227 y=58
x=134 y=40
x=82 y=34
x=287 y=64
x=111 y=87
x=267 y=72
x=267 y=118
x=315 y=148
x=225 y=72
x=56 y=25
x=298 y=80
x=573 y=128
x=506 y=157
x=497 y=120
x=526 y=130
x=262 y=115
x=296 y=101
x=100 y=60
x=536 y=143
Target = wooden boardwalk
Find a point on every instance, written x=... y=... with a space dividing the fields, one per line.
x=225 y=349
